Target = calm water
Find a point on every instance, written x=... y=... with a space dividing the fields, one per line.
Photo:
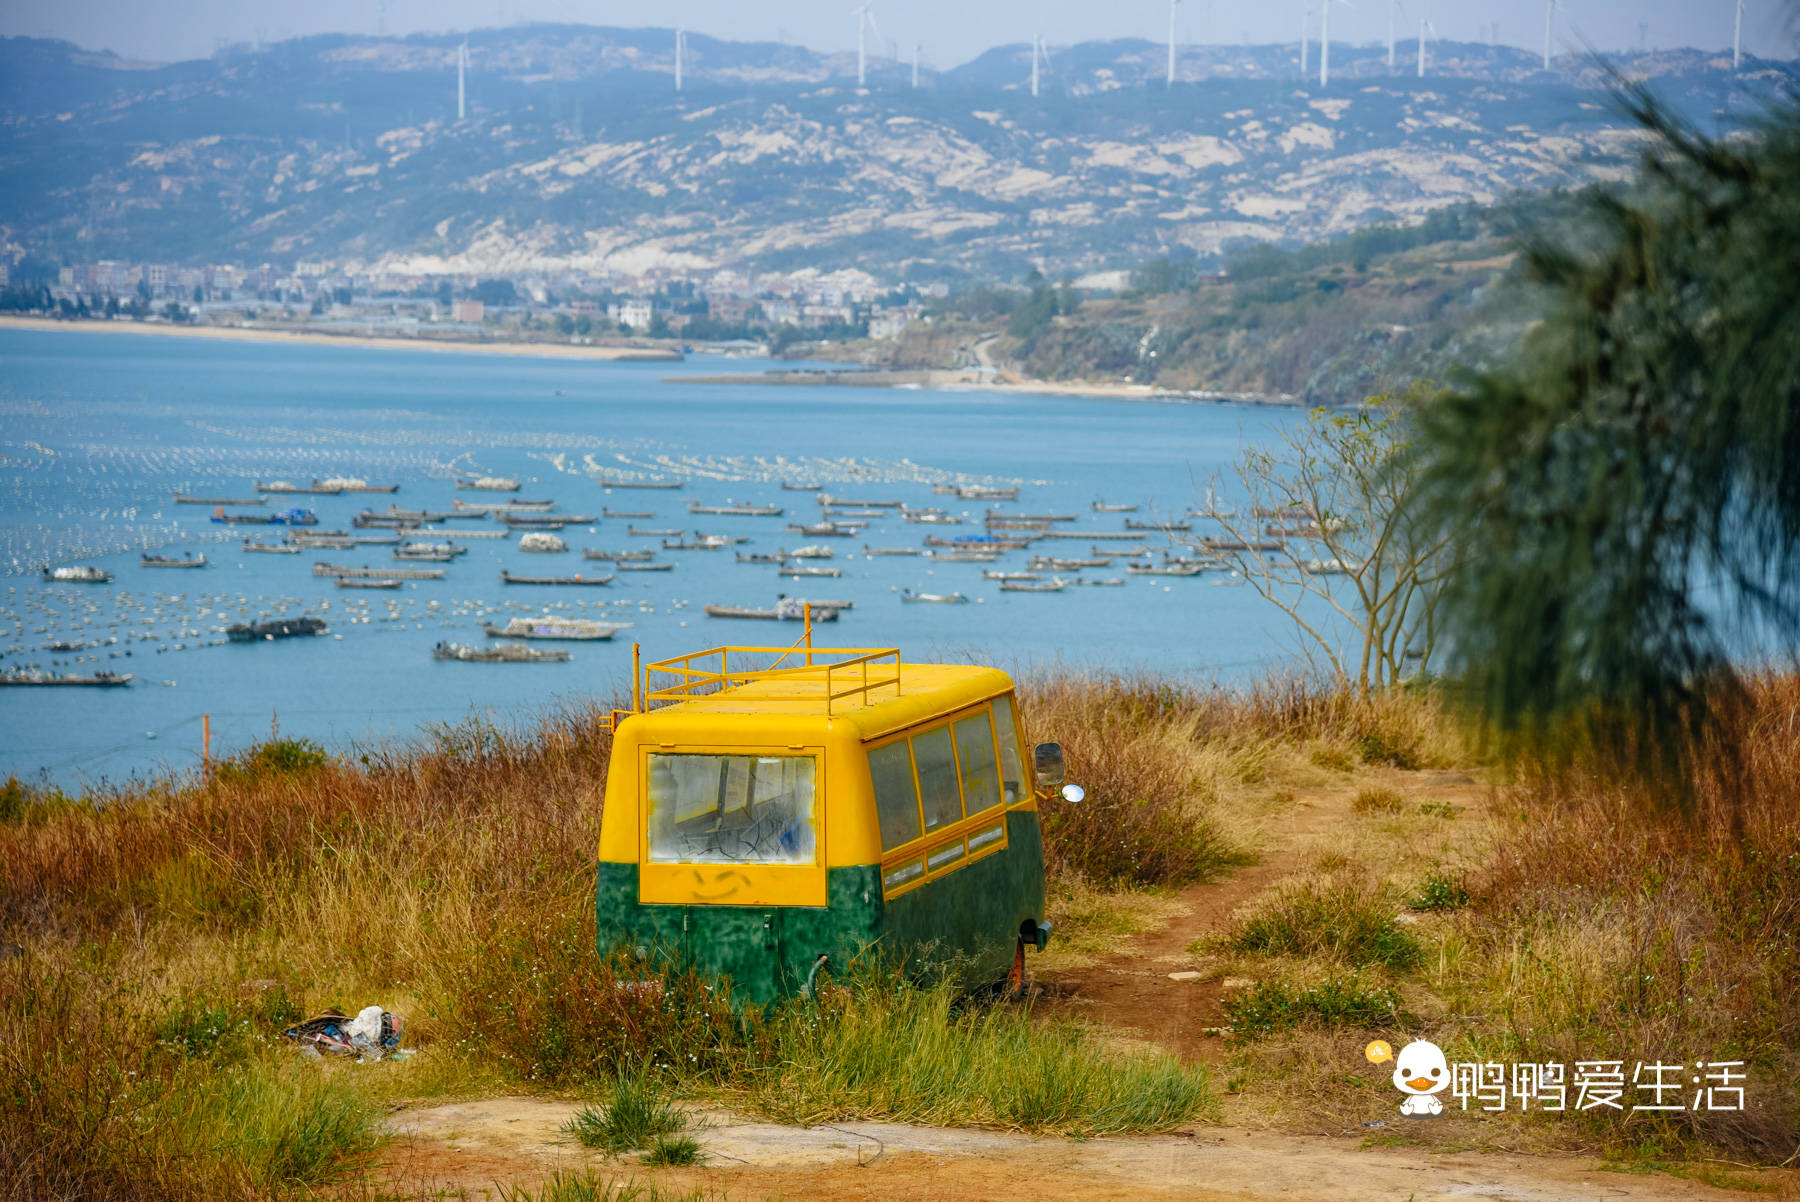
x=97 y=431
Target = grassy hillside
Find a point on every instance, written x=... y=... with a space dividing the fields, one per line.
x=159 y=937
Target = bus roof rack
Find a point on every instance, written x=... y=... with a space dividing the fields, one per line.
x=812 y=674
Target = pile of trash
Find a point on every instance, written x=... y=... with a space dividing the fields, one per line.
x=372 y=1034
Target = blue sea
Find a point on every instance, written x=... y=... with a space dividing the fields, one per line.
x=98 y=431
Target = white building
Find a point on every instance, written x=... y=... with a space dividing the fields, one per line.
x=634 y=313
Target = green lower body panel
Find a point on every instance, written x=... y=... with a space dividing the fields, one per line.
x=970 y=917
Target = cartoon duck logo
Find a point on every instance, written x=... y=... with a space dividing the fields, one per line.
x=1420 y=1071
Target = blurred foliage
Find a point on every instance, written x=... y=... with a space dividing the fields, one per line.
x=1633 y=480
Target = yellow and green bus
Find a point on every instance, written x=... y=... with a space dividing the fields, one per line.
x=764 y=822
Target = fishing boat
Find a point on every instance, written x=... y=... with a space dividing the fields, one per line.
x=699 y=544
x=510 y=505
x=382 y=573
x=742 y=511
x=998 y=575
x=465 y=535
x=832 y=573
x=646 y=567
x=774 y=557
x=386 y=582
x=963 y=556
x=978 y=542
x=828 y=529
x=22 y=676
x=1055 y=584
x=872 y=552
x=945 y=490
x=287 y=517
x=620 y=513
x=379 y=521
x=1168 y=569
x=183 y=499
x=78 y=573
x=787 y=609
x=828 y=499
x=1109 y=582
x=609 y=482
x=907 y=594
x=417 y=548
x=541 y=542
x=278 y=628
x=1325 y=567
x=1001 y=515
x=787 y=487
x=1034 y=527
x=834 y=514
x=284 y=488
x=1103 y=507
x=273 y=548
x=511 y=578
x=1176 y=527
x=1241 y=544
x=1052 y=564
x=983 y=492
x=1098 y=535
x=171 y=561
x=421 y=515
x=549 y=627
x=618 y=556
x=426 y=555
x=1121 y=553
x=547 y=521
x=488 y=484
x=637 y=532
x=933 y=519
x=353 y=484
x=503 y=653
x=812 y=551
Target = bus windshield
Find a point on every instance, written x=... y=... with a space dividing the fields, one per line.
x=731 y=809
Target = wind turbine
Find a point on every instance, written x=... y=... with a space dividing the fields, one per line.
x=1037 y=49
x=1325 y=38
x=462 y=68
x=1737 y=37
x=917 y=46
x=1393 y=11
x=1549 y=17
x=865 y=21
x=1170 y=81
x=1305 y=29
x=1424 y=25
x=680 y=45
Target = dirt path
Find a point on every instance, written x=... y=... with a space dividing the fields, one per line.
x=470 y=1146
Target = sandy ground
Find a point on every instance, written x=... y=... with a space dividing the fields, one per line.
x=305 y=338
x=471 y=1146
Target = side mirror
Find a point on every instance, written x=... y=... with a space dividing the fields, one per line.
x=1073 y=794
x=1047 y=765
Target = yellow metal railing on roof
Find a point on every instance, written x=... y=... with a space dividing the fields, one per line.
x=841 y=673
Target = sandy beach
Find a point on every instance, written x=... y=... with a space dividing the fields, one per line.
x=540 y=350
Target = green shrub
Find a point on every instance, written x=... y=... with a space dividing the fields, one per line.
x=1353 y=923
x=1440 y=892
x=276 y=758
x=638 y=1116
x=673 y=1150
x=1272 y=1006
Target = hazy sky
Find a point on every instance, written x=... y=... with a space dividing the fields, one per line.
x=952 y=31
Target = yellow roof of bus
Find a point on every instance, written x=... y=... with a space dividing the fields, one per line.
x=923 y=692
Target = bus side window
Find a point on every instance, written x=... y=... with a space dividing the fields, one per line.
x=975 y=754
x=1012 y=773
x=937 y=778
x=896 y=794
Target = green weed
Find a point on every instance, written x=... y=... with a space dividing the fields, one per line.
x=1353 y=923
x=673 y=1150
x=1440 y=892
x=1272 y=1006
x=638 y=1116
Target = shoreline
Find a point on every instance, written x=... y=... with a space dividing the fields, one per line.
x=542 y=350
x=938 y=379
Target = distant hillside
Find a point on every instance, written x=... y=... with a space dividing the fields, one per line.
x=577 y=153
x=1329 y=324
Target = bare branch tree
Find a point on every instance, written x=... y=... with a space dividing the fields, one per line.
x=1331 y=530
